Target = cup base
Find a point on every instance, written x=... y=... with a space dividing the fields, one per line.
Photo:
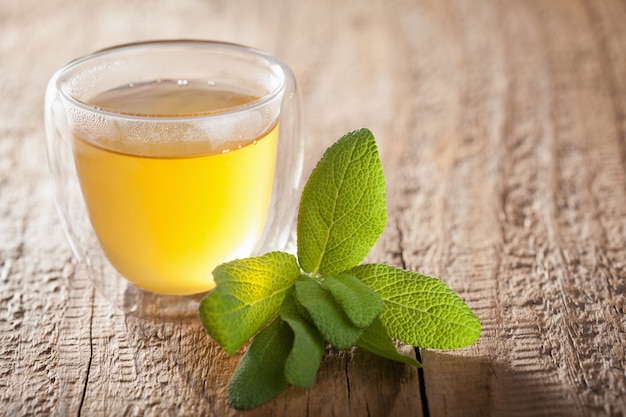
x=152 y=306
x=131 y=300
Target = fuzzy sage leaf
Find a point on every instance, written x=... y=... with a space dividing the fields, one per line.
x=327 y=315
x=308 y=346
x=420 y=310
x=248 y=295
x=375 y=339
x=342 y=210
x=260 y=375
x=360 y=303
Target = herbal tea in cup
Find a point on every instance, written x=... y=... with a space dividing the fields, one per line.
x=170 y=158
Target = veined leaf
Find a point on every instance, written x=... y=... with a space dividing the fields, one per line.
x=376 y=339
x=360 y=303
x=248 y=295
x=259 y=377
x=342 y=210
x=328 y=317
x=305 y=356
x=420 y=310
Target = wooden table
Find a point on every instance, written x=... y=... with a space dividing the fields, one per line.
x=502 y=130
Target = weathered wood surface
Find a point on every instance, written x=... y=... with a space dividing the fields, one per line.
x=502 y=128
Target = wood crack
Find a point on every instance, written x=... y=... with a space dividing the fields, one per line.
x=90 y=361
x=401 y=247
x=347 y=380
x=422 y=384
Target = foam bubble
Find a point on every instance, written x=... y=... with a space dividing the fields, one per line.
x=173 y=136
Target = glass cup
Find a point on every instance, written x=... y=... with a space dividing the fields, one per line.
x=169 y=158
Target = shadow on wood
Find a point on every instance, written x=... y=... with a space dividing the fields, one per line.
x=459 y=385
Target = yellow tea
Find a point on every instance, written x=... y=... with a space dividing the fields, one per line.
x=166 y=214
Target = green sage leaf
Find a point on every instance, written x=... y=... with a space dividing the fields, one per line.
x=327 y=315
x=360 y=303
x=342 y=210
x=260 y=376
x=376 y=339
x=248 y=295
x=307 y=350
x=420 y=310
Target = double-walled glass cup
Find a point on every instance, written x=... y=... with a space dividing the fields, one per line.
x=169 y=158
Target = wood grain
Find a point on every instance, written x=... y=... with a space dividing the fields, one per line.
x=502 y=130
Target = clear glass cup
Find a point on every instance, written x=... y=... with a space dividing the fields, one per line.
x=169 y=158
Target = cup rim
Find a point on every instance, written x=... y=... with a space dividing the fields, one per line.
x=239 y=48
